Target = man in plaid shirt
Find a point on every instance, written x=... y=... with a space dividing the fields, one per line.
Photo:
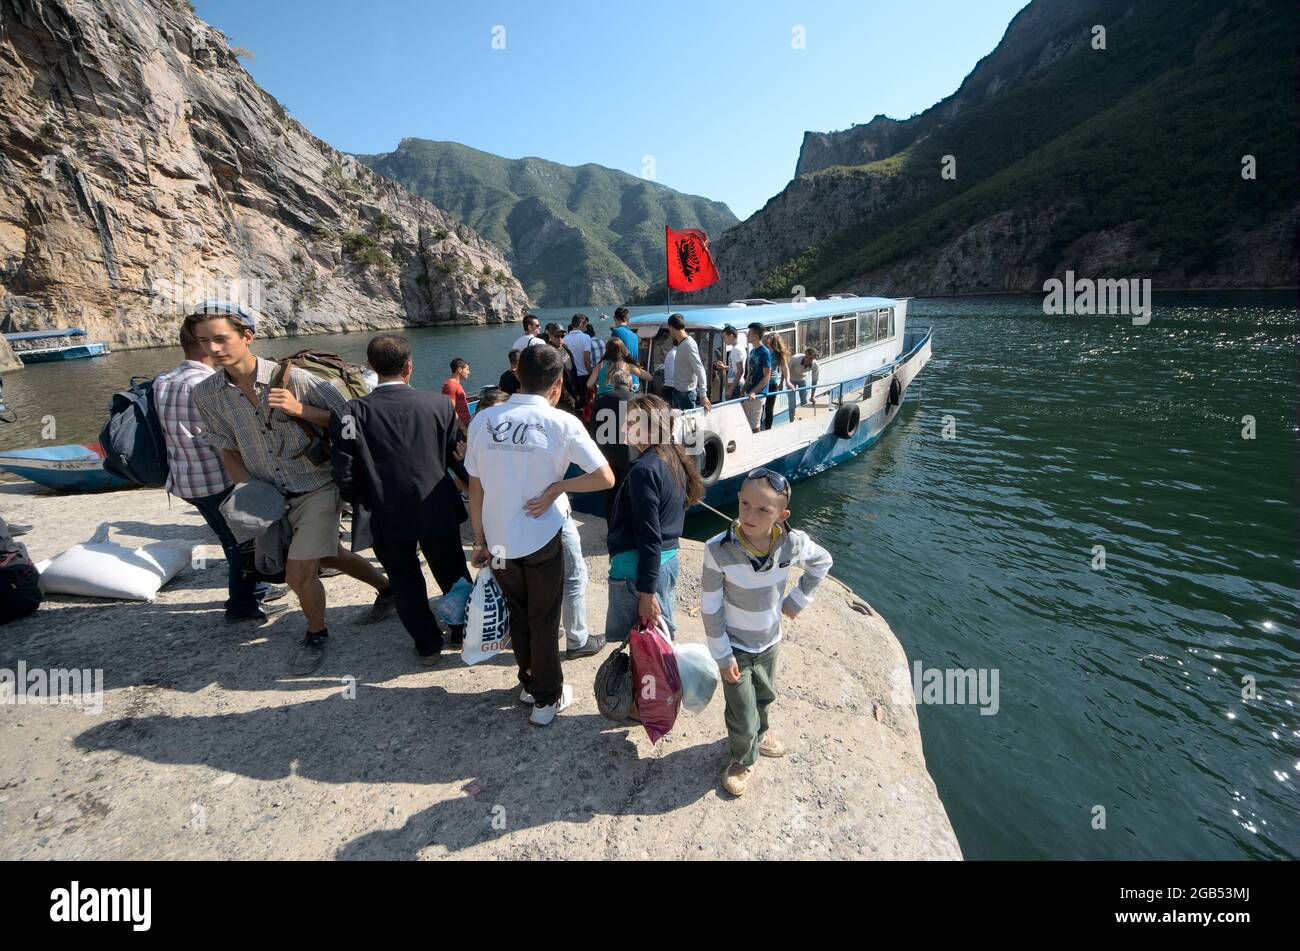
x=195 y=473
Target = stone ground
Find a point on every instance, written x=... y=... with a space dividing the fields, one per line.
x=206 y=747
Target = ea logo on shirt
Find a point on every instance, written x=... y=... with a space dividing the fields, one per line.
x=513 y=432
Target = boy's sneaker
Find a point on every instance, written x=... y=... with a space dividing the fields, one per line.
x=384 y=606
x=770 y=746
x=542 y=716
x=735 y=778
x=311 y=654
x=526 y=697
x=595 y=644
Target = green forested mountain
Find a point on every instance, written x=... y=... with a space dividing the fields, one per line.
x=1117 y=160
x=573 y=235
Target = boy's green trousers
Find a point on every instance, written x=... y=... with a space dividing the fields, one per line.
x=747 y=702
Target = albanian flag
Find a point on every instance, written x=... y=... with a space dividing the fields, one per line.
x=690 y=266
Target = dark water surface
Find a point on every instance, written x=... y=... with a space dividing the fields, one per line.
x=1121 y=687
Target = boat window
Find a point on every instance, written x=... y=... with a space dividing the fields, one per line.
x=844 y=332
x=891 y=323
x=866 y=328
x=818 y=335
x=787 y=334
x=882 y=324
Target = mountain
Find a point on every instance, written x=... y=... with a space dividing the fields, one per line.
x=1125 y=161
x=574 y=235
x=143 y=169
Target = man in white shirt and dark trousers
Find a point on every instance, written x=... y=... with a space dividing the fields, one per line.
x=531 y=336
x=518 y=454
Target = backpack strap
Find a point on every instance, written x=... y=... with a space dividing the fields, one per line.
x=278 y=382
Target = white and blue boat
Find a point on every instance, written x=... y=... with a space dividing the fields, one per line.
x=45 y=346
x=73 y=468
x=867 y=359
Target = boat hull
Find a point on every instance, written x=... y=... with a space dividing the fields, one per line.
x=63 y=468
x=79 y=352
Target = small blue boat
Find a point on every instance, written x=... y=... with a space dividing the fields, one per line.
x=45 y=346
x=75 y=468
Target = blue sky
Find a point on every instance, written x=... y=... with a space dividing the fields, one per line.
x=713 y=90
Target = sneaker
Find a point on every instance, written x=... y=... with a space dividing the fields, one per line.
x=275 y=592
x=595 y=644
x=311 y=654
x=17 y=528
x=542 y=716
x=526 y=697
x=384 y=606
x=263 y=615
x=430 y=660
x=770 y=746
x=735 y=778
x=328 y=573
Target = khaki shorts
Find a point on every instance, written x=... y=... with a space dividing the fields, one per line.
x=754 y=411
x=315 y=521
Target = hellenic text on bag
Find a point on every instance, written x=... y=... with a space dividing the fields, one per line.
x=487 y=622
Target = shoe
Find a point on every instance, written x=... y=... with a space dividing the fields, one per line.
x=311 y=654
x=275 y=592
x=735 y=778
x=770 y=746
x=542 y=716
x=526 y=697
x=17 y=528
x=263 y=615
x=456 y=635
x=384 y=606
x=430 y=660
x=595 y=644
x=328 y=573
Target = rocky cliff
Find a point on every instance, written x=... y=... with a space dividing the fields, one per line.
x=575 y=234
x=1161 y=147
x=144 y=169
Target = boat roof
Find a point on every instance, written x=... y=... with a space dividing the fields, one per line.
x=741 y=314
x=44 y=334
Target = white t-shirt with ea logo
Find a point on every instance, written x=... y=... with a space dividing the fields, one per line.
x=516 y=449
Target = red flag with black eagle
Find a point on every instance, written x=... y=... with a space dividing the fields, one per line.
x=690 y=266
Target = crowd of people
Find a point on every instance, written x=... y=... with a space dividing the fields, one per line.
x=240 y=429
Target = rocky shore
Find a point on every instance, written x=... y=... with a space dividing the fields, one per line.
x=205 y=747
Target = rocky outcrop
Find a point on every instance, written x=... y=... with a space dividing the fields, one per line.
x=144 y=169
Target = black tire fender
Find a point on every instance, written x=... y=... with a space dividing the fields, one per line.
x=847 y=418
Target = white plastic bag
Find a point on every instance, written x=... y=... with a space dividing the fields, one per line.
x=98 y=568
x=487 y=622
x=699 y=674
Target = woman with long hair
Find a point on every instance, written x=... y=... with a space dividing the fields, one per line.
x=780 y=377
x=616 y=357
x=647 y=520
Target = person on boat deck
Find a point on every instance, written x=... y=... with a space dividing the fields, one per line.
x=578 y=343
x=509 y=381
x=454 y=388
x=734 y=355
x=625 y=333
x=597 y=345
x=646 y=526
x=758 y=373
x=555 y=337
x=664 y=344
x=519 y=452
x=742 y=601
x=270 y=433
x=609 y=425
x=805 y=372
x=690 y=379
x=531 y=336
x=390 y=455
x=195 y=472
x=780 y=380
x=616 y=358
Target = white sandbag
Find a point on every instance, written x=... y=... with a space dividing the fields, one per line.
x=98 y=568
x=487 y=620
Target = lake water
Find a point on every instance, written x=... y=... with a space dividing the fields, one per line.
x=1118 y=687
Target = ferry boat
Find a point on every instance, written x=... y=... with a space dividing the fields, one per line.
x=867 y=359
x=44 y=346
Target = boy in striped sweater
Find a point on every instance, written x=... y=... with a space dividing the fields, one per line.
x=745 y=573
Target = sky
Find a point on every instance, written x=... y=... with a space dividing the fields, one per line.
x=711 y=98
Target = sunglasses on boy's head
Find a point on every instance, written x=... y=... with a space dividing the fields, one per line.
x=777 y=481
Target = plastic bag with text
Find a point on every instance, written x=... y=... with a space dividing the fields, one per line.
x=487 y=622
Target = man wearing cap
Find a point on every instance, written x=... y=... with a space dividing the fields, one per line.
x=273 y=434
x=195 y=473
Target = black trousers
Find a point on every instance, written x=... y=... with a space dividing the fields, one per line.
x=401 y=561
x=534 y=590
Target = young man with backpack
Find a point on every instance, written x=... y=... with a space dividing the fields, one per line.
x=275 y=434
x=195 y=473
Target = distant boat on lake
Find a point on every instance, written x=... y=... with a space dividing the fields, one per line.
x=44 y=346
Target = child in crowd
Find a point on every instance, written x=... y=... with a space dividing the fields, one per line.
x=745 y=573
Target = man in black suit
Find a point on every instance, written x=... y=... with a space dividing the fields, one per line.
x=390 y=454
